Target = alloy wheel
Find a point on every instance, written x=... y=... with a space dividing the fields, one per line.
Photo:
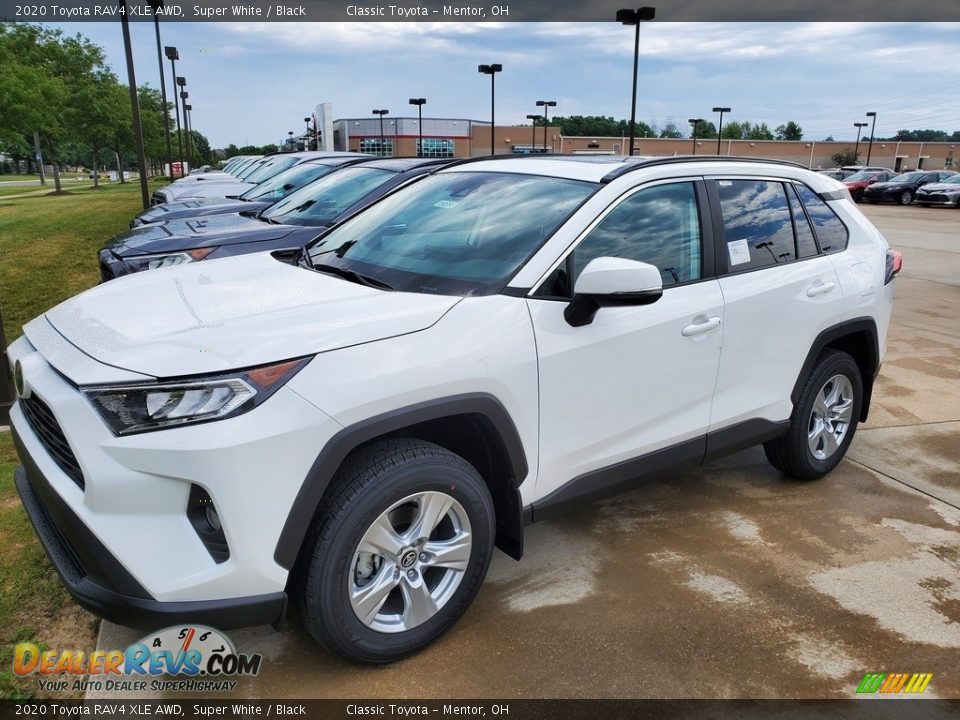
x=410 y=562
x=830 y=417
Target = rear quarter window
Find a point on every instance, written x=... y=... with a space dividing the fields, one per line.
x=832 y=234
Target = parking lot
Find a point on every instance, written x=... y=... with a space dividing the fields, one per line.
x=728 y=582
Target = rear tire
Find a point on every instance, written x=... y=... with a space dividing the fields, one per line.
x=397 y=552
x=824 y=419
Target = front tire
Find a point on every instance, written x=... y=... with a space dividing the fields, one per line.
x=905 y=198
x=398 y=550
x=858 y=196
x=824 y=419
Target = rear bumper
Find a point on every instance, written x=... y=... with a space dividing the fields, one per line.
x=99 y=583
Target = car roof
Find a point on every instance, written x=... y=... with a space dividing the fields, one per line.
x=402 y=164
x=600 y=168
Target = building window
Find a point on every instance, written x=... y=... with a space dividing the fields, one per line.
x=373 y=146
x=436 y=148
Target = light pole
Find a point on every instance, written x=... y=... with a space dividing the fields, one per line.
x=545 y=104
x=188 y=113
x=173 y=56
x=156 y=5
x=693 y=131
x=381 y=113
x=635 y=17
x=720 y=110
x=872 y=128
x=134 y=106
x=306 y=134
x=290 y=140
x=419 y=102
x=856 y=148
x=533 y=138
x=186 y=123
x=492 y=71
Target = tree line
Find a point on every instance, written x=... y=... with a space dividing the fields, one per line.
x=601 y=126
x=59 y=93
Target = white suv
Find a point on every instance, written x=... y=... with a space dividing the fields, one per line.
x=477 y=351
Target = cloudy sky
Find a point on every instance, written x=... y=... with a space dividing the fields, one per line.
x=251 y=83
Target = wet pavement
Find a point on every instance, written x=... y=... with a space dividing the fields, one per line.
x=728 y=582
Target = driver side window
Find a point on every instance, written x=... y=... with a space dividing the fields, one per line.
x=659 y=225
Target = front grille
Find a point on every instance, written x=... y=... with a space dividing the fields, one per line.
x=932 y=197
x=48 y=430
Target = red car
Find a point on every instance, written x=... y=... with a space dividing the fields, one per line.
x=858 y=182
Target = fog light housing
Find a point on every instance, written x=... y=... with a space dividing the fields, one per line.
x=205 y=520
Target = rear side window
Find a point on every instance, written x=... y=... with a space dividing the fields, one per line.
x=758 y=227
x=831 y=232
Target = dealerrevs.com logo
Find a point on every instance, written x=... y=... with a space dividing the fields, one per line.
x=205 y=656
x=894 y=683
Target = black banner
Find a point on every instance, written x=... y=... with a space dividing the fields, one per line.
x=872 y=709
x=60 y=11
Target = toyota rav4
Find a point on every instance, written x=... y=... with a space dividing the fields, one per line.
x=480 y=350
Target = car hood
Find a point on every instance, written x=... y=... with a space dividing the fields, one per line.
x=210 y=189
x=941 y=187
x=890 y=185
x=233 y=313
x=159 y=212
x=195 y=232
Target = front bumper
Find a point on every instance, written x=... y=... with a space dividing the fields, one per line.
x=111 y=266
x=937 y=198
x=124 y=538
x=99 y=583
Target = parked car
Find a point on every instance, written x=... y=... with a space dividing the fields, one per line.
x=481 y=349
x=857 y=182
x=287 y=224
x=903 y=187
x=837 y=173
x=252 y=201
x=946 y=192
x=248 y=178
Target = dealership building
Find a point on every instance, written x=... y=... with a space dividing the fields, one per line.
x=463 y=137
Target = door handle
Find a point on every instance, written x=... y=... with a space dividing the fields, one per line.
x=820 y=288
x=704 y=325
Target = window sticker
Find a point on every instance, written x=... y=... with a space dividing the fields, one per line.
x=445 y=204
x=739 y=252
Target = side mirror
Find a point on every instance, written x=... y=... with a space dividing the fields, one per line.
x=609 y=281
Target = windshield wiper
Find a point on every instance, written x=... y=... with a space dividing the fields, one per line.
x=351 y=275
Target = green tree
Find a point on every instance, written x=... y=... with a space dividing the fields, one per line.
x=789 y=131
x=733 y=130
x=844 y=157
x=670 y=130
x=757 y=132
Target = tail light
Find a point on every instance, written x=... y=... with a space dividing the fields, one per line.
x=894 y=265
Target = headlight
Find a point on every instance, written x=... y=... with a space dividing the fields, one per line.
x=160 y=260
x=138 y=408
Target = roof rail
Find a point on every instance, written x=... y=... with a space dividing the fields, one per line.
x=676 y=159
x=513 y=156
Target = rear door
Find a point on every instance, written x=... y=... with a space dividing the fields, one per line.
x=779 y=290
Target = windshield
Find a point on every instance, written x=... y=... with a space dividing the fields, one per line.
x=279 y=186
x=953 y=179
x=862 y=175
x=252 y=168
x=268 y=170
x=459 y=233
x=319 y=203
x=907 y=177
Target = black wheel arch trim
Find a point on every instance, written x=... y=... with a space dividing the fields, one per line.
x=349 y=438
x=837 y=332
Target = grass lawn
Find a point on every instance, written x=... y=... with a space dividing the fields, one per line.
x=13 y=178
x=48 y=246
x=47 y=253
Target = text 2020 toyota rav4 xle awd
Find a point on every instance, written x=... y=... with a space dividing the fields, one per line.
x=477 y=351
